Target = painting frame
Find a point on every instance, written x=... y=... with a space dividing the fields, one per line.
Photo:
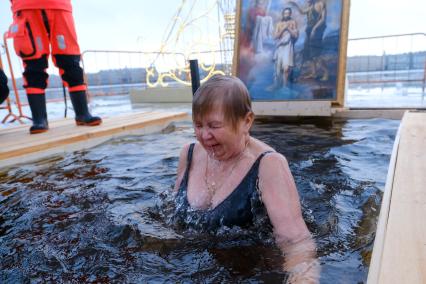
x=338 y=85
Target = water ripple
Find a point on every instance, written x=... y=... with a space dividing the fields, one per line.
x=103 y=215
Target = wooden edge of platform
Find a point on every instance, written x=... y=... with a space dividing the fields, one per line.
x=88 y=139
x=62 y=139
x=379 y=240
x=62 y=121
x=368 y=113
x=62 y=133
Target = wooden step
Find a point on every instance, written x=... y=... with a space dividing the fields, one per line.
x=18 y=145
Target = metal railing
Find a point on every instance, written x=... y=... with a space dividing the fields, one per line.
x=116 y=71
x=7 y=105
x=374 y=65
x=394 y=57
x=388 y=66
x=17 y=101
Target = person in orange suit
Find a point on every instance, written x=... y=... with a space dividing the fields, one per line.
x=41 y=28
x=4 y=89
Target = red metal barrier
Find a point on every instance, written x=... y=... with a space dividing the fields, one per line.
x=7 y=105
x=15 y=89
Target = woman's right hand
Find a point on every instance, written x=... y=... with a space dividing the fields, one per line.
x=301 y=262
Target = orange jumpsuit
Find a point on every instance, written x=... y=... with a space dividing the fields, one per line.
x=41 y=28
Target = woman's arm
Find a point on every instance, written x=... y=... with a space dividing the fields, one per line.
x=181 y=166
x=281 y=199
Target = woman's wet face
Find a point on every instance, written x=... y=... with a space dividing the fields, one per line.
x=217 y=135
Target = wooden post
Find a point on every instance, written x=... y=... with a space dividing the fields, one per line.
x=343 y=50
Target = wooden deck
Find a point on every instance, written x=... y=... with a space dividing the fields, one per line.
x=18 y=146
x=399 y=254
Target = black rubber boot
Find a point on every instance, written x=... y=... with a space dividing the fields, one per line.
x=38 y=110
x=82 y=114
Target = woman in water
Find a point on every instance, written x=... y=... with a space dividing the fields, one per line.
x=228 y=175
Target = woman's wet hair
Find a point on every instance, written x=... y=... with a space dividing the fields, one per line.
x=228 y=92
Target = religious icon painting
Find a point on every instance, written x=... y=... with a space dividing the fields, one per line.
x=291 y=49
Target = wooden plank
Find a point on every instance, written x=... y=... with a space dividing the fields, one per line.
x=60 y=128
x=293 y=108
x=343 y=50
x=27 y=125
x=403 y=258
x=69 y=134
x=74 y=134
x=379 y=240
x=66 y=121
x=346 y=113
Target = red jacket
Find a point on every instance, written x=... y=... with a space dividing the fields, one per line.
x=18 y=5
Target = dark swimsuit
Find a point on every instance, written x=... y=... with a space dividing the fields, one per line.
x=238 y=209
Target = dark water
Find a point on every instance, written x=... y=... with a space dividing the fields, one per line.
x=100 y=216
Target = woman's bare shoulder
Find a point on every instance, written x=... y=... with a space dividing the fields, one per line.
x=270 y=160
x=183 y=158
x=184 y=151
x=260 y=147
x=196 y=151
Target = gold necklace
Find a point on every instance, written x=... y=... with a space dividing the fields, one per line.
x=212 y=187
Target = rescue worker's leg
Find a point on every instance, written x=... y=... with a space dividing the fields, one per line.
x=72 y=74
x=32 y=45
x=35 y=83
x=83 y=116
x=66 y=56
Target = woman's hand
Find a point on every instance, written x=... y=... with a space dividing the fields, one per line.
x=301 y=262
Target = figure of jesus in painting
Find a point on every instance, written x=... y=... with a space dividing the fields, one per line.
x=285 y=35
